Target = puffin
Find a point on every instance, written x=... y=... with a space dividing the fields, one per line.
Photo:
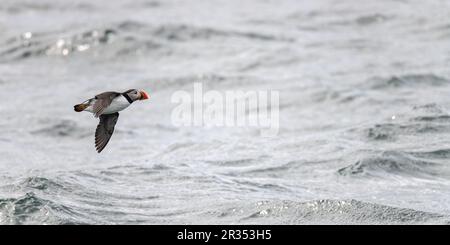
x=106 y=106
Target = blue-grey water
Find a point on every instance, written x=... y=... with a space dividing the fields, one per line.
x=364 y=112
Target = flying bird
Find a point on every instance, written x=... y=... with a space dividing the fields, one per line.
x=106 y=106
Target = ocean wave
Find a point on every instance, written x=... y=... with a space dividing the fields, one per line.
x=46 y=200
x=181 y=32
x=336 y=96
x=391 y=131
x=248 y=185
x=129 y=37
x=408 y=80
x=145 y=4
x=422 y=119
x=330 y=212
x=133 y=170
x=436 y=118
x=40 y=183
x=63 y=128
x=30 y=45
x=389 y=163
x=432 y=108
x=372 y=19
x=32 y=209
x=238 y=162
x=361 y=21
x=20 y=7
x=435 y=154
x=208 y=79
x=273 y=170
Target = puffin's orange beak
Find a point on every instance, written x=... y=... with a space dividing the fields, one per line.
x=144 y=95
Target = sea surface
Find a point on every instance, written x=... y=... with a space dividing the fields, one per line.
x=364 y=133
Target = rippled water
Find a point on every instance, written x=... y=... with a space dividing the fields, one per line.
x=364 y=112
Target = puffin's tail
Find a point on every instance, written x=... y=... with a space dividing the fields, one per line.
x=80 y=107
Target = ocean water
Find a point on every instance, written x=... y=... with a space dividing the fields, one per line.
x=364 y=132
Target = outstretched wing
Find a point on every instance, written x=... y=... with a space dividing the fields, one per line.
x=103 y=100
x=104 y=130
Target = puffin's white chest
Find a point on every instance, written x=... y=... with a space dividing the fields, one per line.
x=118 y=104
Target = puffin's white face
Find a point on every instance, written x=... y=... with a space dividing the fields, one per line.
x=135 y=94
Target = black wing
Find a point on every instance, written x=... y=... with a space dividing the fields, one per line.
x=104 y=130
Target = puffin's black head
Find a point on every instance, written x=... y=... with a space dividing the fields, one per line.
x=135 y=94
